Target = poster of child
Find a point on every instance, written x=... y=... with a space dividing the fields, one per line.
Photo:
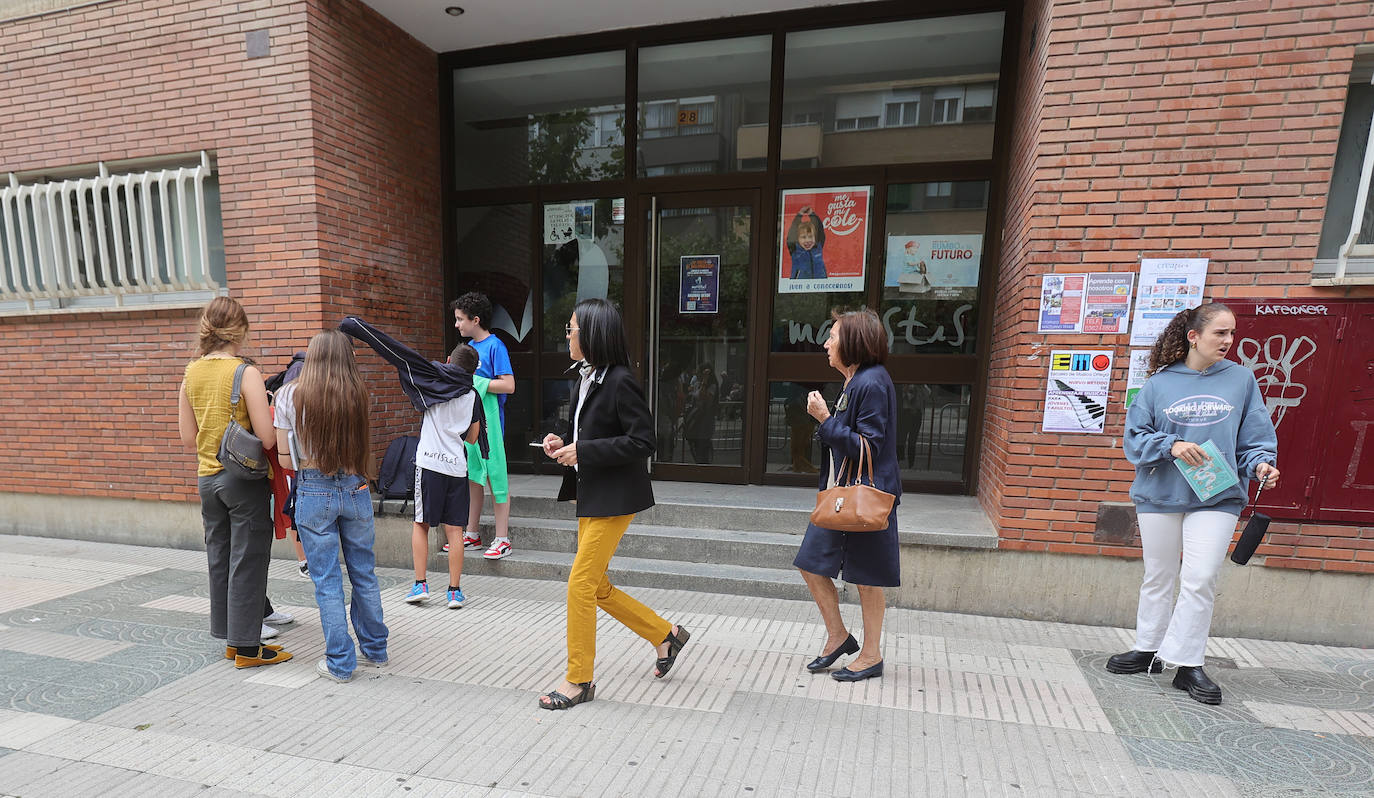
x=823 y=240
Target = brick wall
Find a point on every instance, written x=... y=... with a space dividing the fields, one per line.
x=1150 y=128
x=118 y=80
x=375 y=113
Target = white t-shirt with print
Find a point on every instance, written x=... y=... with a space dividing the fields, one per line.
x=441 y=436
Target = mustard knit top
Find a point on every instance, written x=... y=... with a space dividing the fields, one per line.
x=209 y=385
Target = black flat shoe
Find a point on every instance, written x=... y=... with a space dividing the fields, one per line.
x=1134 y=662
x=557 y=700
x=675 y=643
x=1199 y=687
x=846 y=675
x=824 y=661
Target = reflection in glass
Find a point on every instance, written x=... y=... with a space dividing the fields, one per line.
x=584 y=258
x=520 y=427
x=493 y=257
x=703 y=107
x=555 y=120
x=933 y=255
x=702 y=354
x=932 y=431
x=792 y=444
x=894 y=92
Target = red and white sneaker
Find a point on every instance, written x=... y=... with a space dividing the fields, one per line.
x=471 y=542
x=499 y=549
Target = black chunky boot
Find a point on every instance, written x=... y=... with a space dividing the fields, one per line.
x=1199 y=687
x=1134 y=662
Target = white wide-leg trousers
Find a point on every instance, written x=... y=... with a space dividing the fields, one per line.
x=1178 y=629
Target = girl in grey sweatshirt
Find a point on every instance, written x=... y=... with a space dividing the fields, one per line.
x=1194 y=395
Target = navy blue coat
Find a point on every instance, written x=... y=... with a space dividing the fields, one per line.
x=867 y=407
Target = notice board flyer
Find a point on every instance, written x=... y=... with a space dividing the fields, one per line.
x=1061 y=303
x=1076 y=390
x=1107 y=302
x=1167 y=285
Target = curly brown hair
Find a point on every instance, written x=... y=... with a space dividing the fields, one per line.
x=1172 y=345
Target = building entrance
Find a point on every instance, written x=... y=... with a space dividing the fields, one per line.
x=701 y=261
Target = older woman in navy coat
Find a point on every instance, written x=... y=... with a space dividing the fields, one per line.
x=866 y=409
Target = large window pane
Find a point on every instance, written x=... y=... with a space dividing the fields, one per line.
x=934 y=249
x=896 y=92
x=703 y=107
x=556 y=120
x=584 y=258
x=493 y=256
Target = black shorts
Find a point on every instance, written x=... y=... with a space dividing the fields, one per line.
x=440 y=498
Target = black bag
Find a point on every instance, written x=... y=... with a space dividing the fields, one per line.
x=1252 y=535
x=396 y=480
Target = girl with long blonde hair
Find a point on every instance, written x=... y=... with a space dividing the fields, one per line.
x=322 y=417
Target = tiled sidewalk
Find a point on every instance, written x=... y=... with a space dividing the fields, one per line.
x=112 y=685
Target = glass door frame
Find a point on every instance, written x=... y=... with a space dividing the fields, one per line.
x=645 y=287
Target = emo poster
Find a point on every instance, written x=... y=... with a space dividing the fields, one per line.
x=824 y=240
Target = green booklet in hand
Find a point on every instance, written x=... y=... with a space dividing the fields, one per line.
x=1210 y=478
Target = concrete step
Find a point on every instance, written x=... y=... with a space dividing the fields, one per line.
x=649 y=541
x=669 y=512
x=740 y=580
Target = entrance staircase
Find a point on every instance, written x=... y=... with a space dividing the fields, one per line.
x=732 y=539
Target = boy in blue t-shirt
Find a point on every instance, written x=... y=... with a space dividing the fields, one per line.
x=472 y=318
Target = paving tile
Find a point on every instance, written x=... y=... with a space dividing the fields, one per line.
x=121 y=684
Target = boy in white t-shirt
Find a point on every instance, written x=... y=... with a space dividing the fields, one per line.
x=443 y=393
x=441 y=482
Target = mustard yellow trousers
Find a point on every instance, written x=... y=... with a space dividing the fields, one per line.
x=589 y=588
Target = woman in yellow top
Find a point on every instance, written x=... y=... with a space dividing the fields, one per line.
x=238 y=522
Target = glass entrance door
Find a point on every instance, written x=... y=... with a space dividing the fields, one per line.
x=702 y=250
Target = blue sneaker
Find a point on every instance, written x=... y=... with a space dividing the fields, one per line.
x=418 y=593
x=456 y=599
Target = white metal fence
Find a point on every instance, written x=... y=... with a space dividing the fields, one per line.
x=112 y=240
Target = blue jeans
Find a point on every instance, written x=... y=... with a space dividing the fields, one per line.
x=333 y=512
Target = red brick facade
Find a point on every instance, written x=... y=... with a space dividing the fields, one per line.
x=1150 y=128
x=326 y=155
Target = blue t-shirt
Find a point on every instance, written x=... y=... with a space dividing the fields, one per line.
x=495 y=362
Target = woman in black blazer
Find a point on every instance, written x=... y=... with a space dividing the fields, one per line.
x=607 y=476
x=866 y=410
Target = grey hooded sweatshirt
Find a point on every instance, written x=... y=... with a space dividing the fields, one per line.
x=1223 y=404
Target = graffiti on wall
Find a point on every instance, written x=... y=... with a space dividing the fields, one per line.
x=1274 y=363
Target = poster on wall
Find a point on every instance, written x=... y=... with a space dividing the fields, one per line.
x=1061 y=303
x=559 y=223
x=1107 y=303
x=699 y=291
x=1137 y=373
x=824 y=239
x=935 y=267
x=1077 y=390
x=584 y=220
x=1167 y=285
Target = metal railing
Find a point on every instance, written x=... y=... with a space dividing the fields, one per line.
x=126 y=238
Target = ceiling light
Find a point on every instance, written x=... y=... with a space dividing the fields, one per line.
x=454 y=11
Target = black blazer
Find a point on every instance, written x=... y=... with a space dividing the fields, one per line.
x=614 y=441
x=870 y=410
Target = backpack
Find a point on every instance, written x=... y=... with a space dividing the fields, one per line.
x=396 y=480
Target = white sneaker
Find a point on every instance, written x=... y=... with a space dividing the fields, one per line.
x=268 y=632
x=499 y=549
x=322 y=668
x=303 y=568
x=368 y=662
x=280 y=618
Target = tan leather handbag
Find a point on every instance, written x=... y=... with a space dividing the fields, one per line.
x=849 y=505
